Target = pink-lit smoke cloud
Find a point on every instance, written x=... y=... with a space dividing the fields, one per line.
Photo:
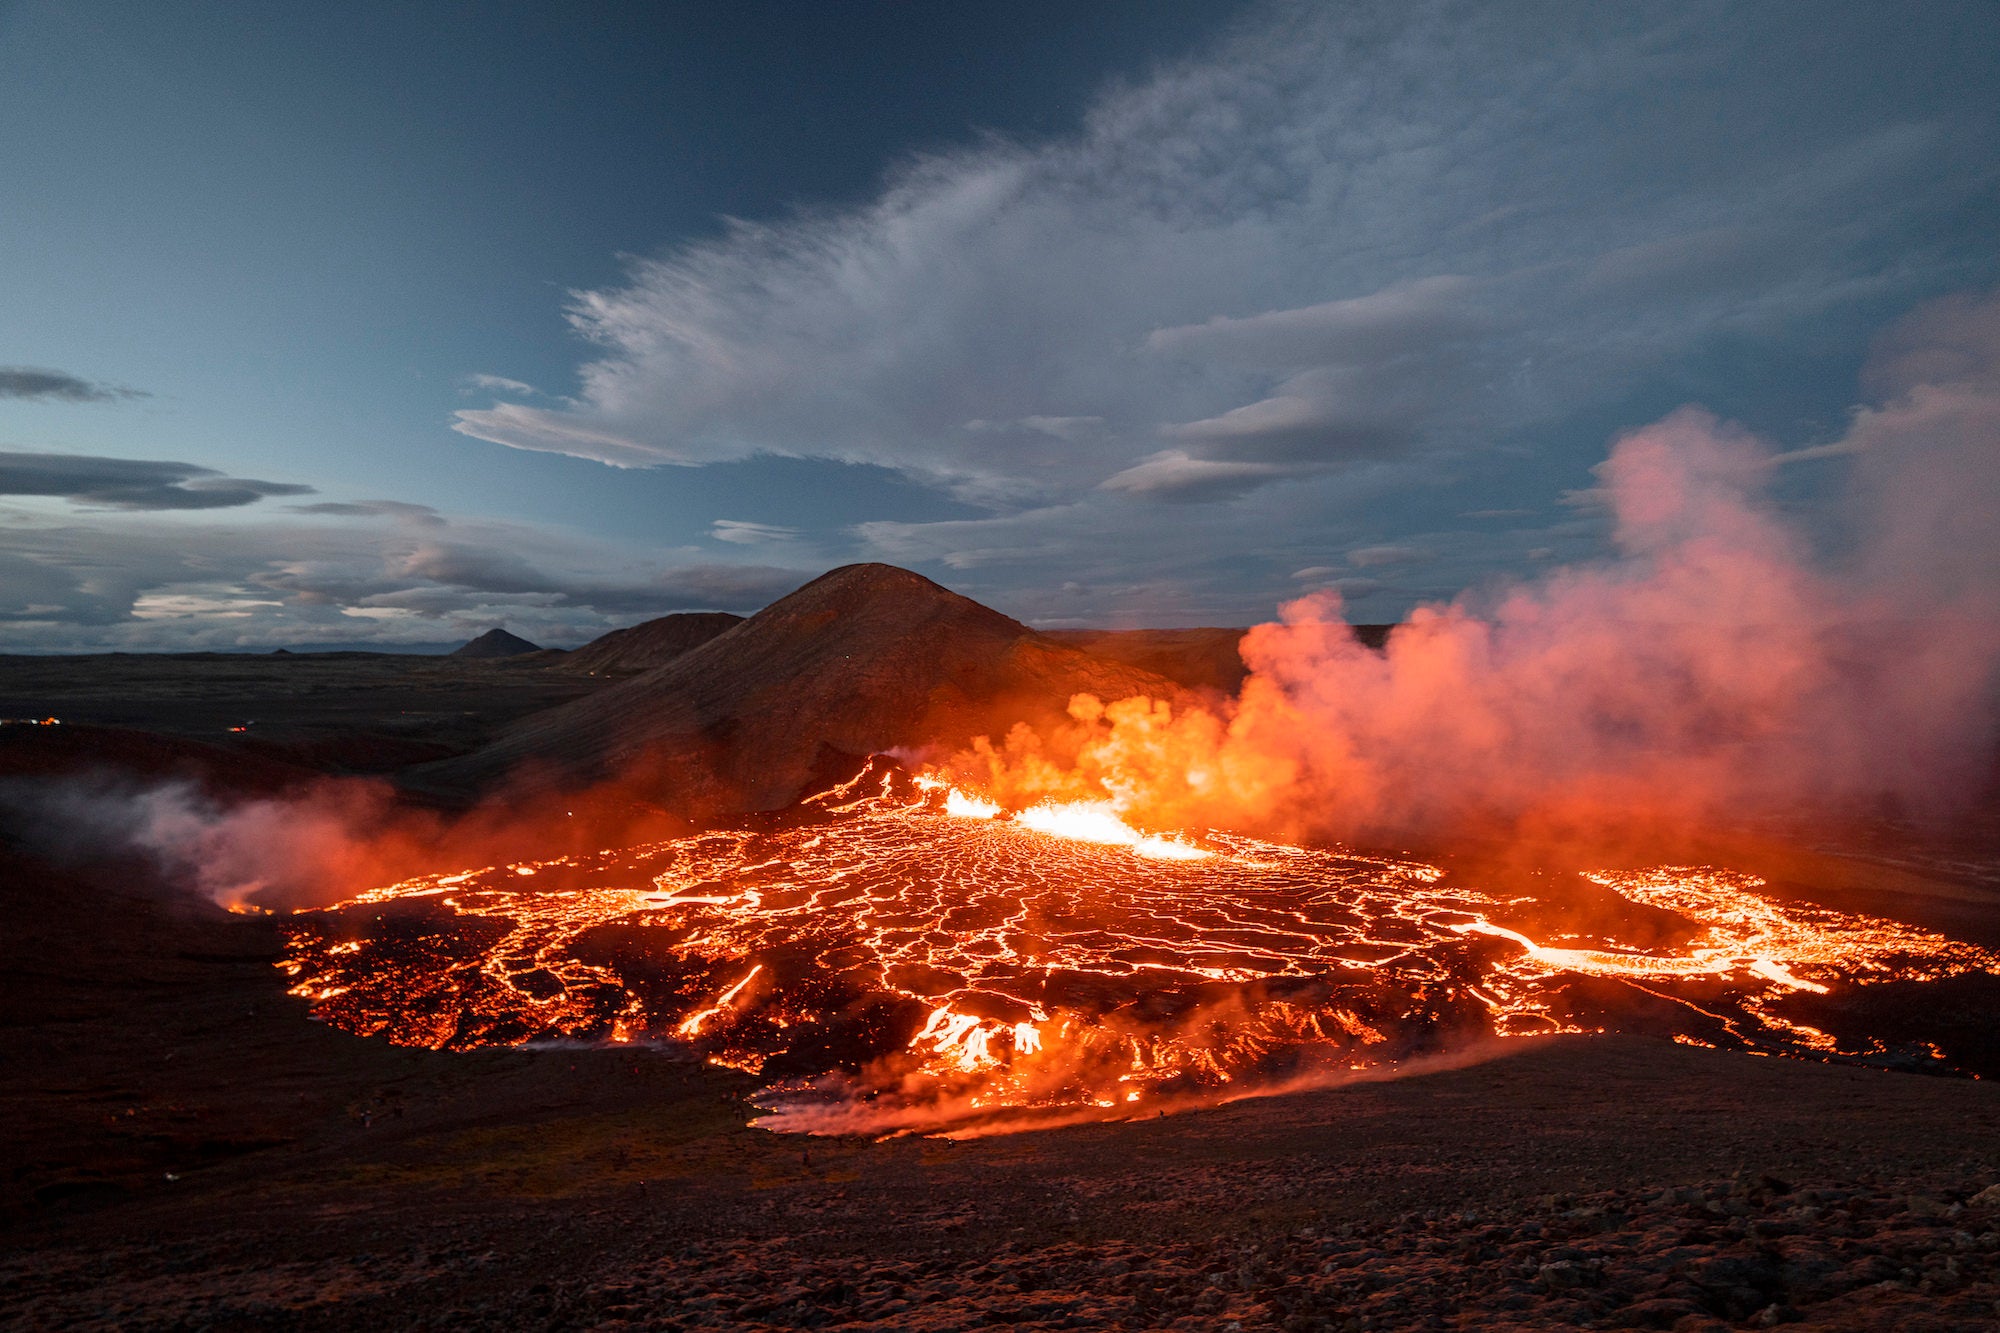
x=1712 y=667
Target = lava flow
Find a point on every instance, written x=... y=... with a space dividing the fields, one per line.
x=898 y=955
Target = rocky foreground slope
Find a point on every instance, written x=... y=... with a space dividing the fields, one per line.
x=1752 y=1251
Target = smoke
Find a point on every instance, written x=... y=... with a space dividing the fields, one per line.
x=318 y=844
x=1712 y=667
x=311 y=846
x=838 y=1104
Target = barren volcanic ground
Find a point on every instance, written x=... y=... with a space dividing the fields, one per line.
x=336 y=712
x=186 y=1147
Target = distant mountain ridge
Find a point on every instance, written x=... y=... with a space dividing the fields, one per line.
x=496 y=642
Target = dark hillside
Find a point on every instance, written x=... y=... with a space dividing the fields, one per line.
x=625 y=652
x=863 y=659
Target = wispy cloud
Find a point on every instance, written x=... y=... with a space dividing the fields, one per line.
x=1372 y=557
x=495 y=384
x=121 y=570
x=398 y=510
x=33 y=384
x=1060 y=428
x=140 y=581
x=1351 y=233
x=741 y=533
x=1176 y=474
x=1360 y=330
x=132 y=483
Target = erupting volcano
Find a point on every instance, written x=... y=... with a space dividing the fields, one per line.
x=896 y=954
x=903 y=668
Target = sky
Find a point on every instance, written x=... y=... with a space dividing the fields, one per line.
x=382 y=324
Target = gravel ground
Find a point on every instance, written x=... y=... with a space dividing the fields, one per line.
x=1754 y=1252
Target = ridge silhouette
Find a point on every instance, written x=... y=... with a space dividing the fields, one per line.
x=864 y=659
x=495 y=642
x=650 y=644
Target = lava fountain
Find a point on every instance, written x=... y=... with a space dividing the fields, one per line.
x=899 y=955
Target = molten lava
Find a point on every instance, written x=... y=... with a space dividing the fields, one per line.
x=902 y=955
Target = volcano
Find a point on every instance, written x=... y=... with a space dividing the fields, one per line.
x=864 y=659
x=605 y=1003
x=496 y=642
x=625 y=652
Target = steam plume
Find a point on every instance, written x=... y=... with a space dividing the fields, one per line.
x=1710 y=667
x=317 y=844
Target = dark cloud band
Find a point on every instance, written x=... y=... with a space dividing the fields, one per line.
x=132 y=483
x=37 y=385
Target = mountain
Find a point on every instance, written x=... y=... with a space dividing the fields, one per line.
x=496 y=642
x=625 y=652
x=866 y=658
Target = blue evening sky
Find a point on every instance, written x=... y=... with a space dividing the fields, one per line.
x=388 y=322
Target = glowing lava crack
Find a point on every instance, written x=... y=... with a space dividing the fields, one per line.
x=903 y=956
